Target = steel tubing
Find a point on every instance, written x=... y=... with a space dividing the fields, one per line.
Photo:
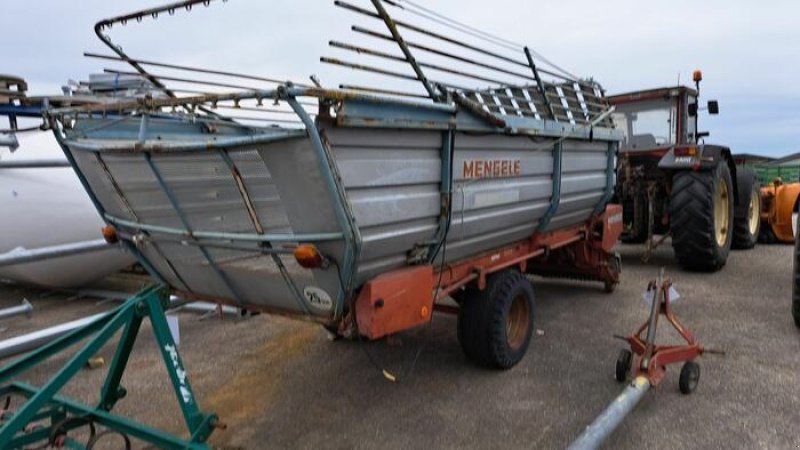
x=614 y=414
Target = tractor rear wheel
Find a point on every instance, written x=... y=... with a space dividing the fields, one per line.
x=495 y=325
x=747 y=215
x=701 y=217
x=796 y=280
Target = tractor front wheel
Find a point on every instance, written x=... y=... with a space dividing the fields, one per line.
x=701 y=217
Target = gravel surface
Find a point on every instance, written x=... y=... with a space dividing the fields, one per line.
x=280 y=383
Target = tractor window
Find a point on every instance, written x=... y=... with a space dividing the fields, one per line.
x=647 y=124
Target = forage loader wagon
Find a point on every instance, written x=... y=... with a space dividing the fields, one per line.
x=370 y=213
x=362 y=208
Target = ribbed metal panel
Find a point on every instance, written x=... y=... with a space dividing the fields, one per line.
x=391 y=180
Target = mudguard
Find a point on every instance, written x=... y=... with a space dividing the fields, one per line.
x=707 y=158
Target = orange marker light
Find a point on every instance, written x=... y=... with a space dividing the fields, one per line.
x=308 y=256
x=110 y=234
x=686 y=151
x=424 y=312
x=697 y=76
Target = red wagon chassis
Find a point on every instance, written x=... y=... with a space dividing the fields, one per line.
x=405 y=298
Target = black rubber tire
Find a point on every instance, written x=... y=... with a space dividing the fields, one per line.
x=692 y=218
x=482 y=320
x=636 y=215
x=690 y=376
x=796 y=279
x=746 y=185
x=624 y=362
x=766 y=235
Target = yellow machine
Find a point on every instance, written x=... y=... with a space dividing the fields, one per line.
x=778 y=205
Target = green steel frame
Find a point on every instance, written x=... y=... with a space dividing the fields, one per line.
x=44 y=416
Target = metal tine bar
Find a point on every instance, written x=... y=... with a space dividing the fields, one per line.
x=450 y=40
x=401 y=75
x=193 y=69
x=373 y=90
x=378 y=70
x=434 y=51
x=435 y=67
x=184 y=80
x=429 y=14
x=380 y=54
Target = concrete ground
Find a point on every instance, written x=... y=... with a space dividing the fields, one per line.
x=284 y=384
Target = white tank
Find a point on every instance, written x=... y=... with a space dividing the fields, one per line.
x=42 y=207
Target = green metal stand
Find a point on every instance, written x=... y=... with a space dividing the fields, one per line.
x=47 y=417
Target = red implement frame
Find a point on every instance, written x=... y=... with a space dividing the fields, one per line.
x=652 y=359
x=403 y=299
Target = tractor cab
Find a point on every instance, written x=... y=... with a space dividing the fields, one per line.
x=655 y=119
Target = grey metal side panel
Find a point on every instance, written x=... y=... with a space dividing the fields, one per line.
x=284 y=184
x=491 y=212
x=392 y=180
x=583 y=181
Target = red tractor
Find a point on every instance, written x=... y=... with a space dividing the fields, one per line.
x=671 y=183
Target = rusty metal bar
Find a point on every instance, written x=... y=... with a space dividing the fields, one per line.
x=191 y=69
x=390 y=24
x=539 y=82
x=447 y=39
x=353 y=87
x=476 y=109
x=432 y=50
x=185 y=80
x=365 y=68
x=380 y=54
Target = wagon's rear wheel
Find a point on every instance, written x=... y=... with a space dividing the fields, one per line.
x=495 y=325
x=747 y=215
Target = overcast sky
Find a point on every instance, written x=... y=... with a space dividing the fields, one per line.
x=749 y=51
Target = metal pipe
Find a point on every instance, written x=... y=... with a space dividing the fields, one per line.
x=25 y=308
x=192 y=69
x=224 y=236
x=34 y=164
x=398 y=38
x=21 y=256
x=184 y=80
x=435 y=51
x=614 y=414
x=449 y=40
x=31 y=341
x=372 y=90
x=380 y=54
x=9 y=140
